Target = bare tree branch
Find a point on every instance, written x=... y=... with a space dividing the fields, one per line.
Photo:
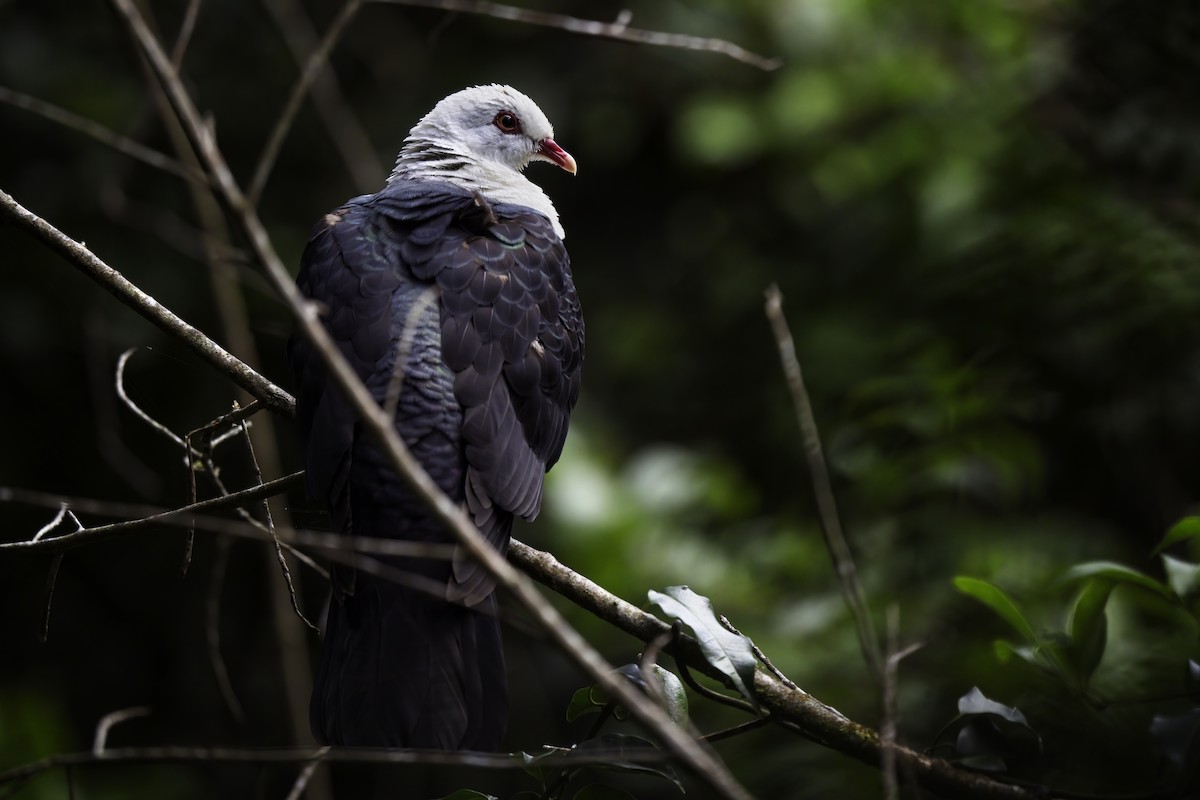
x=88 y=127
x=186 y=29
x=305 y=774
x=785 y=703
x=48 y=603
x=69 y=541
x=618 y=30
x=109 y=720
x=835 y=538
x=319 y=81
x=78 y=255
x=290 y=538
x=279 y=556
x=559 y=757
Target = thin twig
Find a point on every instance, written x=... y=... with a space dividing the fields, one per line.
x=835 y=539
x=375 y=423
x=305 y=774
x=711 y=694
x=336 y=114
x=109 y=720
x=231 y=419
x=304 y=755
x=186 y=29
x=316 y=62
x=758 y=653
x=154 y=424
x=212 y=629
x=78 y=255
x=649 y=660
x=178 y=516
x=283 y=565
x=887 y=730
x=52 y=524
x=55 y=563
x=51 y=580
x=193 y=458
x=618 y=30
x=737 y=730
x=193 y=496
x=116 y=141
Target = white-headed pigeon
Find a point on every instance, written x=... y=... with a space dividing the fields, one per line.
x=457 y=269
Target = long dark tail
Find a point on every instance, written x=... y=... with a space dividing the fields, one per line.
x=402 y=668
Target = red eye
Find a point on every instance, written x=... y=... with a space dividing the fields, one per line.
x=507 y=122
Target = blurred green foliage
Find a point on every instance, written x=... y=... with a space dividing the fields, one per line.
x=982 y=216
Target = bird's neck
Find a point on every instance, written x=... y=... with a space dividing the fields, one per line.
x=498 y=183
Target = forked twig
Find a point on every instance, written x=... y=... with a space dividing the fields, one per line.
x=186 y=29
x=78 y=255
x=312 y=68
x=109 y=720
x=283 y=565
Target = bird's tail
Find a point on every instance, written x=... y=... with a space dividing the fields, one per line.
x=403 y=668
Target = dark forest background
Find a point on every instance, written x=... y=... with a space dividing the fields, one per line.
x=982 y=216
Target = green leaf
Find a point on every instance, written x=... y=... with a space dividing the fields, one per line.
x=993 y=736
x=729 y=652
x=617 y=749
x=994 y=598
x=469 y=794
x=529 y=761
x=1087 y=627
x=588 y=700
x=673 y=695
x=975 y=702
x=1186 y=528
x=1119 y=573
x=1182 y=576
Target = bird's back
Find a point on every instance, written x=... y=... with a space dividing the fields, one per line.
x=474 y=304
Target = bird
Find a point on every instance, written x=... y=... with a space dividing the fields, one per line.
x=450 y=293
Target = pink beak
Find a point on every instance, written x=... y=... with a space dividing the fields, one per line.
x=548 y=150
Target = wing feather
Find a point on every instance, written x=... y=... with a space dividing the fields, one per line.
x=511 y=337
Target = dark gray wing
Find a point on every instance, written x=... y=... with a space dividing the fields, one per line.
x=512 y=334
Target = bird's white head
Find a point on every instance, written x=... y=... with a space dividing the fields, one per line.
x=482 y=138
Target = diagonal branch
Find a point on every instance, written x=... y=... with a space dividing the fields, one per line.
x=786 y=704
x=122 y=144
x=78 y=255
x=316 y=77
x=835 y=538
